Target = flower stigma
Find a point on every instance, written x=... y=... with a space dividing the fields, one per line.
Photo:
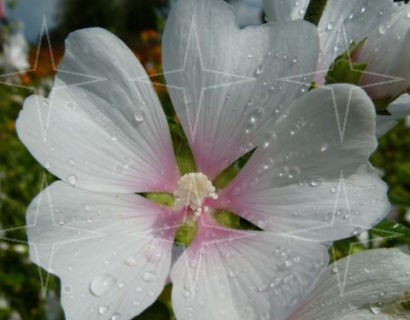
x=193 y=189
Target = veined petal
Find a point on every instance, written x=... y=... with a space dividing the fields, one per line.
x=380 y=22
x=102 y=135
x=228 y=84
x=386 y=52
x=365 y=285
x=313 y=179
x=112 y=252
x=400 y=108
x=282 y=10
x=229 y=274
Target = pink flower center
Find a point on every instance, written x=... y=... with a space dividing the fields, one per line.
x=193 y=189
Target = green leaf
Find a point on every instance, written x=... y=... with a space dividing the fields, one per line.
x=387 y=228
x=226 y=177
x=157 y=311
x=343 y=70
x=161 y=198
x=404 y=172
x=186 y=233
x=227 y=219
x=399 y=196
x=382 y=105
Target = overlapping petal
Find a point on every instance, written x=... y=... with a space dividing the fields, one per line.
x=283 y=10
x=104 y=135
x=226 y=83
x=366 y=285
x=386 y=27
x=231 y=274
x=111 y=252
x=312 y=179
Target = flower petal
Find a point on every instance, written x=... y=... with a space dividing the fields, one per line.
x=282 y=10
x=106 y=134
x=380 y=22
x=226 y=82
x=359 y=287
x=313 y=180
x=400 y=108
x=230 y=274
x=111 y=252
x=386 y=53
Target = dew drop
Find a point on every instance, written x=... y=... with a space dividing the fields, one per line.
x=333 y=190
x=139 y=115
x=250 y=56
x=363 y=10
x=315 y=182
x=102 y=284
x=259 y=70
x=46 y=165
x=72 y=180
x=376 y=308
x=130 y=261
x=329 y=27
x=356 y=231
x=324 y=147
x=148 y=277
x=186 y=293
x=116 y=316
x=102 y=310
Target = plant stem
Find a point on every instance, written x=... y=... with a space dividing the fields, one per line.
x=315 y=11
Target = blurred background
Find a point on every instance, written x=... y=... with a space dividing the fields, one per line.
x=27 y=63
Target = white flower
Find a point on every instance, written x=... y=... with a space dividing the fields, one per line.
x=108 y=139
x=367 y=285
x=386 y=27
x=15 y=51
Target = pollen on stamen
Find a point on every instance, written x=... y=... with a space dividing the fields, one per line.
x=193 y=188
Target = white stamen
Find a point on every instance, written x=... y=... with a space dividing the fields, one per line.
x=192 y=189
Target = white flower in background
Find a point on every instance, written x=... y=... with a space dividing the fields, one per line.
x=383 y=23
x=369 y=285
x=109 y=140
x=15 y=52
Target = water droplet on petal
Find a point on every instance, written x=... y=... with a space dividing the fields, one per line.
x=315 y=182
x=102 y=284
x=148 y=277
x=259 y=70
x=376 y=308
x=102 y=310
x=72 y=180
x=139 y=115
x=46 y=165
x=130 y=261
x=116 y=316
